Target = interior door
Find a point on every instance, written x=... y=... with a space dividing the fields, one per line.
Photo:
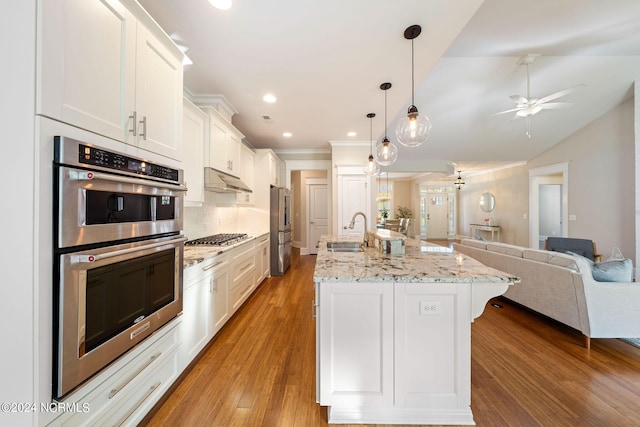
x=352 y=198
x=550 y=216
x=436 y=209
x=318 y=215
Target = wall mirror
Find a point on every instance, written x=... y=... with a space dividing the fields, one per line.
x=487 y=202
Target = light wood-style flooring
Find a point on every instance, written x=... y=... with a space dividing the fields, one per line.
x=527 y=370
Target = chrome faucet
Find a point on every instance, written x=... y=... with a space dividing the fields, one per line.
x=353 y=222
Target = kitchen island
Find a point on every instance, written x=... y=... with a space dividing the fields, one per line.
x=393 y=332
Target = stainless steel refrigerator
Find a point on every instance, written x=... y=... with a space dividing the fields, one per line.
x=280 y=230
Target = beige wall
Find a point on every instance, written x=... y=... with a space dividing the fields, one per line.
x=601 y=186
x=401 y=197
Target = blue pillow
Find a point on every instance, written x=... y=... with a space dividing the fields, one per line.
x=613 y=271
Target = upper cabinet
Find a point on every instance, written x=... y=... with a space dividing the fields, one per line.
x=195 y=133
x=224 y=143
x=247 y=164
x=108 y=68
x=269 y=164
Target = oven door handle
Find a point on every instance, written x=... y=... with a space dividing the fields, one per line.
x=86 y=176
x=87 y=258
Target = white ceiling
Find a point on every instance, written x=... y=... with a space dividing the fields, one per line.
x=325 y=61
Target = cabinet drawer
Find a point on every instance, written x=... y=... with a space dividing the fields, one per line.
x=243 y=267
x=193 y=274
x=140 y=397
x=107 y=391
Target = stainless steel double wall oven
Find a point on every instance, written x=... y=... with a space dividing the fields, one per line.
x=118 y=256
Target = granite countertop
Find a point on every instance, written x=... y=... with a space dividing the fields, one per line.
x=422 y=262
x=197 y=254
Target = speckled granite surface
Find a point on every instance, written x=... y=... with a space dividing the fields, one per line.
x=196 y=254
x=422 y=262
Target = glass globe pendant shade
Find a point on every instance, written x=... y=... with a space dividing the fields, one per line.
x=371 y=167
x=386 y=152
x=414 y=129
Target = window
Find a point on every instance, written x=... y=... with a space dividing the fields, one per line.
x=385 y=196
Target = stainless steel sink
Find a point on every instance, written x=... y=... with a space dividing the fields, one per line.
x=345 y=246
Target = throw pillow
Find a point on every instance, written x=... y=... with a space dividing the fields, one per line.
x=613 y=271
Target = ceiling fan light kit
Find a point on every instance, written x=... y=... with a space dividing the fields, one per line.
x=386 y=151
x=415 y=128
x=371 y=167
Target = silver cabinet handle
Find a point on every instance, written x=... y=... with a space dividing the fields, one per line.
x=314 y=310
x=134 y=123
x=144 y=127
x=116 y=390
x=138 y=404
x=246 y=266
x=93 y=258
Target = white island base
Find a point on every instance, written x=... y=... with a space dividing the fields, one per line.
x=397 y=353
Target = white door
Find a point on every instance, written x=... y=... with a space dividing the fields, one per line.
x=353 y=196
x=437 y=221
x=318 y=215
x=550 y=214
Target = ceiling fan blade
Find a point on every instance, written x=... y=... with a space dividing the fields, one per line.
x=555 y=105
x=514 y=118
x=508 y=111
x=559 y=94
x=519 y=99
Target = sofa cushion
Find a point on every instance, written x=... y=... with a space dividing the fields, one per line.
x=503 y=248
x=613 y=271
x=474 y=243
x=563 y=260
x=536 y=255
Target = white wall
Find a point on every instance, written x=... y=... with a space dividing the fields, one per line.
x=601 y=186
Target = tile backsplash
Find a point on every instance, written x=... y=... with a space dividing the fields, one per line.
x=216 y=215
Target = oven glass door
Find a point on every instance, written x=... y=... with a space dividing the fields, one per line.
x=111 y=298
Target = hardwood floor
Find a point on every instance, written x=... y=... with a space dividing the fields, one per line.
x=527 y=370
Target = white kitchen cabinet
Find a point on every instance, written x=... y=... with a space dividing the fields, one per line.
x=195 y=125
x=126 y=391
x=263 y=264
x=223 y=150
x=205 y=307
x=246 y=174
x=268 y=164
x=355 y=323
x=108 y=68
x=389 y=353
x=243 y=270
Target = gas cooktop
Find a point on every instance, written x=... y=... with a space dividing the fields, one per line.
x=222 y=239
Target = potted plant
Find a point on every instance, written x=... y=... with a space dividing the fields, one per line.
x=404 y=212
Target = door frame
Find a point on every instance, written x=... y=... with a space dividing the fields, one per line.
x=536 y=177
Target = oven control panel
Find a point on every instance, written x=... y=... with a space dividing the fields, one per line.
x=98 y=157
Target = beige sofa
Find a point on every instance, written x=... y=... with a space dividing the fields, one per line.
x=561 y=286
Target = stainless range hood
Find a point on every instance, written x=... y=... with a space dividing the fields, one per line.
x=215 y=180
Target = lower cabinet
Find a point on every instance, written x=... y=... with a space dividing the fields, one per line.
x=263 y=264
x=243 y=272
x=127 y=390
x=389 y=353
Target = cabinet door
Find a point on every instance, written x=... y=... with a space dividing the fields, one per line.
x=274 y=170
x=86 y=71
x=218 y=144
x=262 y=260
x=194 y=319
x=194 y=131
x=356 y=355
x=432 y=346
x=158 y=96
x=219 y=301
x=246 y=175
x=233 y=153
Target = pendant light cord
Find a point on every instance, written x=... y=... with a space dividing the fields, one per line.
x=385 y=113
x=371 y=135
x=413 y=101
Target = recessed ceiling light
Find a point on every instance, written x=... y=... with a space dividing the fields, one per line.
x=352 y=133
x=221 y=4
x=287 y=134
x=269 y=98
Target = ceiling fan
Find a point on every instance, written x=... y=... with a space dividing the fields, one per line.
x=527 y=106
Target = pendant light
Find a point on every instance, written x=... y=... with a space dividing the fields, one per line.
x=371 y=167
x=386 y=151
x=459 y=183
x=415 y=128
